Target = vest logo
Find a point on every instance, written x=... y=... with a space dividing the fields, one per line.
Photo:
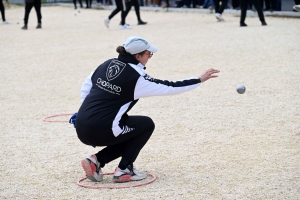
x=114 y=69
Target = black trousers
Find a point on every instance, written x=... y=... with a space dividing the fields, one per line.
x=75 y=3
x=136 y=5
x=88 y=3
x=120 y=7
x=271 y=4
x=244 y=6
x=218 y=8
x=297 y=2
x=37 y=7
x=2 y=11
x=127 y=145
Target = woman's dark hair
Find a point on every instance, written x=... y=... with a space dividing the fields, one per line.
x=121 y=50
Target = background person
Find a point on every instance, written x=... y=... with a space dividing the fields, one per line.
x=75 y=3
x=136 y=5
x=244 y=6
x=220 y=8
x=2 y=9
x=37 y=6
x=119 y=7
x=108 y=94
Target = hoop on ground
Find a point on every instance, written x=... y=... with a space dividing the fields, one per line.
x=115 y=187
x=46 y=119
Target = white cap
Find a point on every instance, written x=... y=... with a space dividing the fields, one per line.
x=134 y=45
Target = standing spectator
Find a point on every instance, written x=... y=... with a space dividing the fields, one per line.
x=244 y=5
x=136 y=5
x=37 y=6
x=88 y=3
x=220 y=8
x=75 y=3
x=120 y=7
x=296 y=7
x=2 y=9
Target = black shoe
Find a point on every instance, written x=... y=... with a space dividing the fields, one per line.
x=140 y=22
x=263 y=23
x=243 y=24
x=24 y=27
x=39 y=25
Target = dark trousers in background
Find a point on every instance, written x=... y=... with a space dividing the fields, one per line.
x=75 y=3
x=136 y=5
x=127 y=145
x=88 y=3
x=271 y=4
x=220 y=8
x=2 y=11
x=37 y=6
x=244 y=6
x=297 y=2
x=119 y=7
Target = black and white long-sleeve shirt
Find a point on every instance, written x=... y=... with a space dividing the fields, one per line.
x=114 y=88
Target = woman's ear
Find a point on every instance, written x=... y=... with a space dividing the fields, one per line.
x=137 y=56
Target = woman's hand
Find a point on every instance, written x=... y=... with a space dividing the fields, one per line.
x=208 y=75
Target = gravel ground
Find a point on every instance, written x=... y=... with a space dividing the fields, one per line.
x=209 y=143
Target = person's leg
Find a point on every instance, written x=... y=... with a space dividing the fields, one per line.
x=244 y=6
x=217 y=5
x=222 y=7
x=259 y=11
x=119 y=7
x=80 y=2
x=37 y=6
x=91 y=1
x=125 y=13
x=74 y=2
x=137 y=9
x=28 y=7
x=137 y=12
x=126 y=145
x=2 y=9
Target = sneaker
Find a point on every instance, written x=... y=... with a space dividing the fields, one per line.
x=125 y=26
x=140 y=22
x=39 y=25
x=24 y=27
x=106 y=22
x=128 y=174
x=296 y=8
x=92 y=168
x=219 y=17
x=5 y=22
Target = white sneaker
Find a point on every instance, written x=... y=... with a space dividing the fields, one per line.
x=106 y=22
x=219 y=17
x=126 y=26
x=5 y=22
x=128 y=174
x=297 y=7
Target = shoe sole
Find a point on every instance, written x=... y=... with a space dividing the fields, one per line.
x=122 y=179
x=89 y=169
x=127 y=178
